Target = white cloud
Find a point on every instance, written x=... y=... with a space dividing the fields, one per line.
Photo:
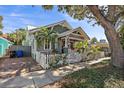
x=26 y=21
x=15 y=15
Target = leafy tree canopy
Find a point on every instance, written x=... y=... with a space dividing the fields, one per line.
x=113 y=14
x=1 y=19
x=93 y=40
x=45 y=34
x=18 y=36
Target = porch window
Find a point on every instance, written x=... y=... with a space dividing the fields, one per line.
x=47 y=45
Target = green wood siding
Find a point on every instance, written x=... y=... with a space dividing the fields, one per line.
x=60 y=29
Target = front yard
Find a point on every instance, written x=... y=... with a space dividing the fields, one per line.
x=100 y=75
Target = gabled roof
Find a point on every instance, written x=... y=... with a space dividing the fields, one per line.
x=73 y=30
x=63 y=22
x=4 y=35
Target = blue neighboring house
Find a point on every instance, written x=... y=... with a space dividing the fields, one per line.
x=4 y=44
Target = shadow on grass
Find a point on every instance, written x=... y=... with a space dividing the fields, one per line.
x=97 y=76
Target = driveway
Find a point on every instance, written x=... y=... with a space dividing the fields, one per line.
x=10 y=67
x=41 y=78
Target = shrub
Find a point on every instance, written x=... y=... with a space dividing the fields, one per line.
x=57 y=60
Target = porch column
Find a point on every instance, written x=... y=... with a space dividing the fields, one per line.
x=66 y=45
x=69 y=43
x=56 y=43
x=50 y=46
x=66 y=42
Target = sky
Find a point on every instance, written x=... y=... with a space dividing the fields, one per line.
x=20 y=16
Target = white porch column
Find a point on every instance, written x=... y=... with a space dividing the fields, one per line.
x=44 y=44
x=56 y=43
x=66 y=42
x=50 y=45
x=69 y=46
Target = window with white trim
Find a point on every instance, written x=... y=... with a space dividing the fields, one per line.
x=47 y=45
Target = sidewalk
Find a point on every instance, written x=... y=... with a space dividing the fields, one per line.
x=41 y=78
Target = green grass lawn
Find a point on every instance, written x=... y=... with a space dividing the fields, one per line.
x=101 y=75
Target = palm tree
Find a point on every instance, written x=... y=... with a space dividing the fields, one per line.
x=47 y=35
x=81 y=46
x=18 y=36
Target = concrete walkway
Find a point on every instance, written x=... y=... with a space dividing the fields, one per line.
x=41 y=78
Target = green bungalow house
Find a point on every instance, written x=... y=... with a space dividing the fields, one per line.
x=4 y=44
x=67 y=36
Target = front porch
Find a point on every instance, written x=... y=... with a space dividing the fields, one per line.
x=66 y=43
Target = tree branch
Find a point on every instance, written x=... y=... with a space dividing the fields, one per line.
x=111 y=11
x=103 y=21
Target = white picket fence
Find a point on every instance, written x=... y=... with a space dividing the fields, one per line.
x=74 y=57
x=43 y=59
x=40 y=58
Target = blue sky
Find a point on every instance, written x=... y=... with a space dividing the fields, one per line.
x=20 y=16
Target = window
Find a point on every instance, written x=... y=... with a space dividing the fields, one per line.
x=47 y=45
x=77 y=32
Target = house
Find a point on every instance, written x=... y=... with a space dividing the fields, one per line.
x=67 y=36
x=4 y=35
x=4 y=45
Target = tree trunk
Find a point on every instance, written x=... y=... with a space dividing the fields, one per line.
x=117 y=56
